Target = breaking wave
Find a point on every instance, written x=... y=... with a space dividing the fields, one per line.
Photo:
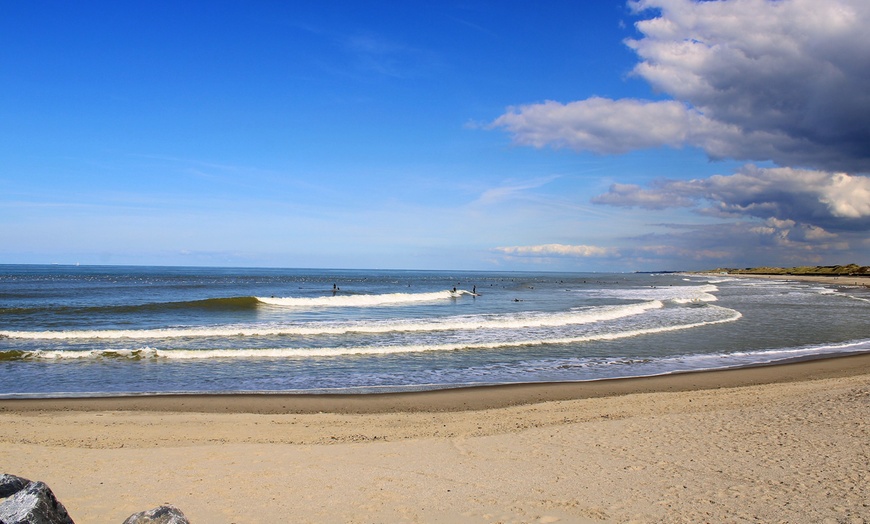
x=273 y=353
x=359 y=300
x=471 y=322
x=337 y=300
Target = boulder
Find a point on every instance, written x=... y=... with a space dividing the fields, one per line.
x=28 y=502
x=166 y=514
x=33 y=504
x=10 y=485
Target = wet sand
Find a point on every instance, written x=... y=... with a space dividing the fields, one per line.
x=786 y=443
x=839 y=280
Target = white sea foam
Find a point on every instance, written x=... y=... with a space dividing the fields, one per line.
x=696 y=362
x=342 y=300
x=699 y=298
x=763 y=356
x=130 y=354
x=471 y=322
x=204 y=330
x=273 y=353
x=676 y=294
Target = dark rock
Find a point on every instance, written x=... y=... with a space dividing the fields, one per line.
x=10 y=485
x=166 y=514
x=33 y=504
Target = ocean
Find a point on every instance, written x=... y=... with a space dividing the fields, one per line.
x=109 y=330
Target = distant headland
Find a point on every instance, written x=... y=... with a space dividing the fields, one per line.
x=810 y=271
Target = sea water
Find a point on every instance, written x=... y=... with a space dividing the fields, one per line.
x=68 y=330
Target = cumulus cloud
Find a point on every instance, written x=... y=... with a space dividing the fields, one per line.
x=835 y=201
x=771 y=242
x=663 y=196
x=780 y=80
x=557 y=250
x=599 y=124
x=606 y=126
x=777 y=81
x=704 y=246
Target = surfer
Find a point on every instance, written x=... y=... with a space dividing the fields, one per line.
x=473 y=290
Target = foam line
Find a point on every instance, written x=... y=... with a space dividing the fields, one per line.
x=514 y=321
x=272 y=353
x=343 y=300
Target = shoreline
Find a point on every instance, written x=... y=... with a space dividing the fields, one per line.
x=836 y=280
x=470 y=398
x=775 y=443
x=787 y=441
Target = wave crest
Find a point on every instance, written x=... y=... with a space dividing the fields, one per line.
x=347 y=300
x=465 y=323
x=724 y=315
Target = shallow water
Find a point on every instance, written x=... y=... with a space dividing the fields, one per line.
x=107 y=330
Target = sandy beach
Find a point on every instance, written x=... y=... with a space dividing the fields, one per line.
x=834 y=280
x=787 y=443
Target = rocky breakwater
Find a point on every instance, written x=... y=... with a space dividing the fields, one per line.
x=27 y=502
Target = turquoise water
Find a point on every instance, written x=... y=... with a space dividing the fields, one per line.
x=68 y=330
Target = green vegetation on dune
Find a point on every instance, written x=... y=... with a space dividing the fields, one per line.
x=847 y=270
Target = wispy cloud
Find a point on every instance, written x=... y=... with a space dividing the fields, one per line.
x=384 y=57
x=557 y=250
x=512 y=189
x=363 y=53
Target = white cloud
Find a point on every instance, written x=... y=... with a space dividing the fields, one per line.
x=814 y=198
x=557 y=250
x=631 y=195
x=848 y=196
x=745 y=243
x=375 y=54
x=780 y=80
x=599 y=124
x=511 y=190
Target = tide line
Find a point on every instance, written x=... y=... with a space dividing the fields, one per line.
x=267 y=353
x=510 y=321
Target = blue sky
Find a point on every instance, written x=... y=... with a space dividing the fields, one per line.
x=560 y=135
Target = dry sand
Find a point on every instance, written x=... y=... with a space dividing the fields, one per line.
x=786 y=443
